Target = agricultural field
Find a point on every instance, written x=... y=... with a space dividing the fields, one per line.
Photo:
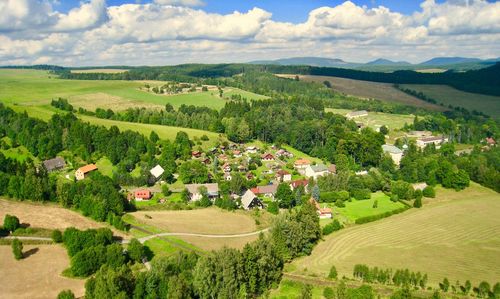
x=454 y=235
x=375 y=120
x=37 y=275
x=363 y=208
x=213 y=221
x=447 y=95
x=372 y=90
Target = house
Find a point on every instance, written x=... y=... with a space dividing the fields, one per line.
x=267 y=191
x=361 y=172
x=249 y=176
x=490 y=141
x=315 y=171
x=142 y=195
x=323 y=213
x=356 y=114
x=295 y=184
x=395 y=153
x=283 y=176
x=222 y=157
x=436 y=140
x=419 y=186
x=267 y=157
x=284 y=153
x=301 y=164
x=157 y=171
x=237 y=153
x=206 y=161
x=227 y=176
x=54 y=164
x=252 y=149
x=226 y=167
x=249 y=201
x=196 y=154
x=82 y=172
x=242 y=168
x=195 y=191
x=332 y=168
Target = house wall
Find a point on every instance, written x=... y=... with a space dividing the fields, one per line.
x=396 y=158
x=79 y=175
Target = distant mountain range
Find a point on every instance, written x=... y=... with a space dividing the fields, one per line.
x=381 y=64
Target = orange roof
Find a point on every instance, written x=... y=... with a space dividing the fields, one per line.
x=302 y=162
x=88 y=168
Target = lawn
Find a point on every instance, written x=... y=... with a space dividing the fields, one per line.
x=19 y=153
x=105 y=167
x=454 y=235
x=292 y=289
x=375 y=120
x=362 y=208
x=38 y=275
x=447 y=95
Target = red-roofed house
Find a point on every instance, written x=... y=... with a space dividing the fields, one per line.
x=295 y=184
x=196 y=154
x=301 y=164
x=267 y=157
x=323 y=213
x=82 y=172
x=283 y=176
x=490 y=141
x=143 y=194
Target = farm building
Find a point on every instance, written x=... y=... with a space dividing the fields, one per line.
x=355 y=114
x=395 y=153
x=195 y=191
x=267 y=191
x=283 y=176
x=249 y=201
x=301 y=164
x=323 y=213
x=436 y=140
x=54 y=164
x=157 y=171
x=419 y=186
x=82 y=172
x=237 y=153
x=142 y=194
x=315 y=171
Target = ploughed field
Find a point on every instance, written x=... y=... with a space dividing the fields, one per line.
x=454 y=235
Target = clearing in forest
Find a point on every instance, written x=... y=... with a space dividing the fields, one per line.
x=454 y=235
x=38 y=275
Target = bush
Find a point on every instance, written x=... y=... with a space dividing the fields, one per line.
x=394 y=197
x=371 y=218
x=66 y=294
x=272 y=208
x=361 y=194
x=17 y=249
x=429 y=192
x=375 y=204
x=328 y=293
x=333 y=273
x=331 y=227
x=418 y=202
x=165 y=190
x=135 y=250
x=88 y=261
x=57 y=236
x=402 y=189
x=10 y=223
x=340 y=203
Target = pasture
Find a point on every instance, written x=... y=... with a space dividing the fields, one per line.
x=372 y=90
x=363 y=208
x=37 y=275
x=375 y=120
x=447 y=95
x=454 y=235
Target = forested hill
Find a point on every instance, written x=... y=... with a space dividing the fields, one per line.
x=484 y=81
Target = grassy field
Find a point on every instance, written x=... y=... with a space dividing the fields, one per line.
x=372 y=90
x=447 y=95
x=35 y=87
x=454 y=236
x=105 y=166
x=37 y=275
x=103 y=71
x=362 y=208
x=291 y=289
x=377 y=119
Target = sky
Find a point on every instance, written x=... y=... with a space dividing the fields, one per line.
x=166 y=32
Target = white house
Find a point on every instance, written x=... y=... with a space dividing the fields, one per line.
x=315 y=171
x=301 y=164
x=195 y=190
x=249 y=200
x=157 y=171
x=283 y=176
x=252 y=149
x=436 y=140
x=395 y=153
x=82 y=172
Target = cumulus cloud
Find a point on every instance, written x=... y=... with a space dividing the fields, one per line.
x=178 y=31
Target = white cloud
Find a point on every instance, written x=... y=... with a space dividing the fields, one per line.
x=173 y=32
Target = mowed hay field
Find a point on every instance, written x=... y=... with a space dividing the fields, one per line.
x=371 y=90
x=38 y=275
x=455 y=235
x=377 y=119
x=447 y=95
x=202 y=221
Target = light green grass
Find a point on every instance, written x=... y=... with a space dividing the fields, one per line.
x=19 y=153
x=447 y=95
x=375 y=120
x=362 y=208
x=292 y=289
x=105 y=167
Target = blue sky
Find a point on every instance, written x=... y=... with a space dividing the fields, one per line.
x=160 y=32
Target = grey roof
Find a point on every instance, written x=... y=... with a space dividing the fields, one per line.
x=319 y=168
x=389 y=148
x=55 y=163
x=212 y=189
x=268 y=189
x=247 y=199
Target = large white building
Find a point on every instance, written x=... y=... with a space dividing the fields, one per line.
x=436 y=140
x=395 y=153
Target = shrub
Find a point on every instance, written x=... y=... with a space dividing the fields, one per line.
x=361 y=194
x=371 y=218
x=204 y=137
x=333 y=273
x=328 y=293
x=135 y=250
x=375 y=204
x=331 y=227
x=57 y=236
x=165 y=190
x=402 y=189
x=429 y=192
x=272 y=208
x=340 y=203
x=17 y=249
x=10 y=223
x=394 y=197
x=66 y=294
x=418 y=202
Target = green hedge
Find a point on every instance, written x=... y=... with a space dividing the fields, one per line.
x=380 y=216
